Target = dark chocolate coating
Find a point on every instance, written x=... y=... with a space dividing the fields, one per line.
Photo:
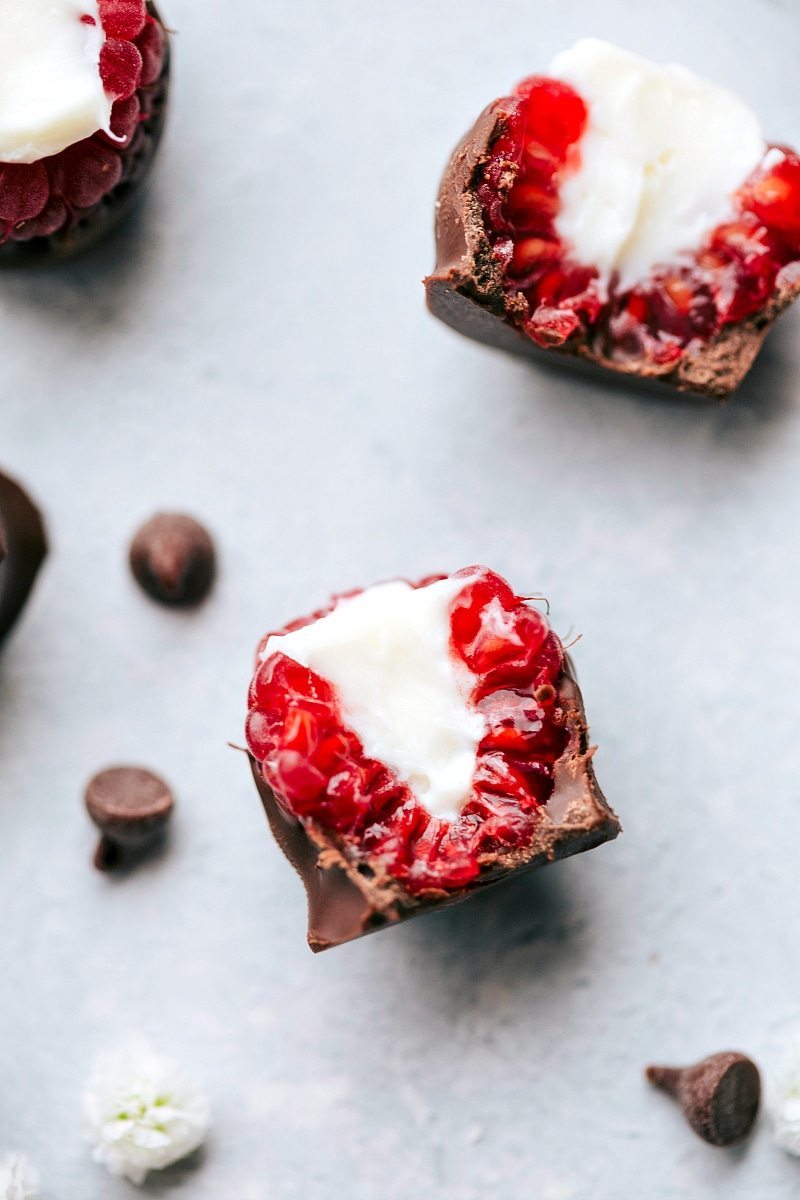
x=173 y=560
x=349 y=895
x=104 y=216
x=719 y=1096
x=23 y=546
x=465 y=290
x=130 y=806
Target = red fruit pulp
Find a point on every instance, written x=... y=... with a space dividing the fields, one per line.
x=682 y=304
x=40 y=199
x=318 y=770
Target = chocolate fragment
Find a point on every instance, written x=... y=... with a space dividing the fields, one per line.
x=719 y=1096
x=172 y=558
x=23 y=547
x=131 y=807
x=350 y=895
x=466 y=291
x=113 y=208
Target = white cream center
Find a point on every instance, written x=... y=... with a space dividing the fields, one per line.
x=662 y=154
x=387 y=654
x=51 y=93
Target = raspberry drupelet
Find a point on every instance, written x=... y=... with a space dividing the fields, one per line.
x=416 y=742
x=553 y=224
x=55 y=206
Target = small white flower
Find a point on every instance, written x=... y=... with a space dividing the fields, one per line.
x=18 y=1179
x=143 y=1112
x=783 y=1098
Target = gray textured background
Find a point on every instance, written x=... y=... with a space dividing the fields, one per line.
x=255 y=350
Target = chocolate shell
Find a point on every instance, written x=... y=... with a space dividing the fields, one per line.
x=466 y=290
x=112 y=209
x=349 y=895
x=23 y=546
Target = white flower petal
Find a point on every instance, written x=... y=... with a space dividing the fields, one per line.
x=142 y=1112
x=783 y=1099
x=151 y=1139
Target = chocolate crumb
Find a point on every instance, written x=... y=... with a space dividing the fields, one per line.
x=131 y=807
x=173 y=560
x=719 y=1096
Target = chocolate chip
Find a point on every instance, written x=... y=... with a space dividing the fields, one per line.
x=131 y=807
x=172 y=558
x=719 y=1096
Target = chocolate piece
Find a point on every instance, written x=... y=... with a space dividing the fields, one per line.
x=719 y=1096
x=23 y=546
x=466 y=290
x=172 y=558
x=349 y=896
x=113 y=208
x=131 y=807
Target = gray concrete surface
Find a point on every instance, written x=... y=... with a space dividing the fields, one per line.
x=255 y=350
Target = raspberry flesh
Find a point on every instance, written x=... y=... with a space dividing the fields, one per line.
x=24 y=191
x=120 y=68
x=151 y=43
x=85 y=172
x=44 y=198
x=682 y=305
x=318 y=770
x=122 y=18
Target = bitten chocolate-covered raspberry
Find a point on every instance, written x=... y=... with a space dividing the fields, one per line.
x=688 y=298
x=131 y=807
x=173 y=559
x=412 y=743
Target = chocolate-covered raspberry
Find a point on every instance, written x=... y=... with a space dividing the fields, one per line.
x=59 y=205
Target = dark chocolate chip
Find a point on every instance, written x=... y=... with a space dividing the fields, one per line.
x=172 y=558
x=131 y=807
x=719 y=1096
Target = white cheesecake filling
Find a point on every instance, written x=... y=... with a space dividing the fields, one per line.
x=51 y=93
x=401 y=690
x=661 y=157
